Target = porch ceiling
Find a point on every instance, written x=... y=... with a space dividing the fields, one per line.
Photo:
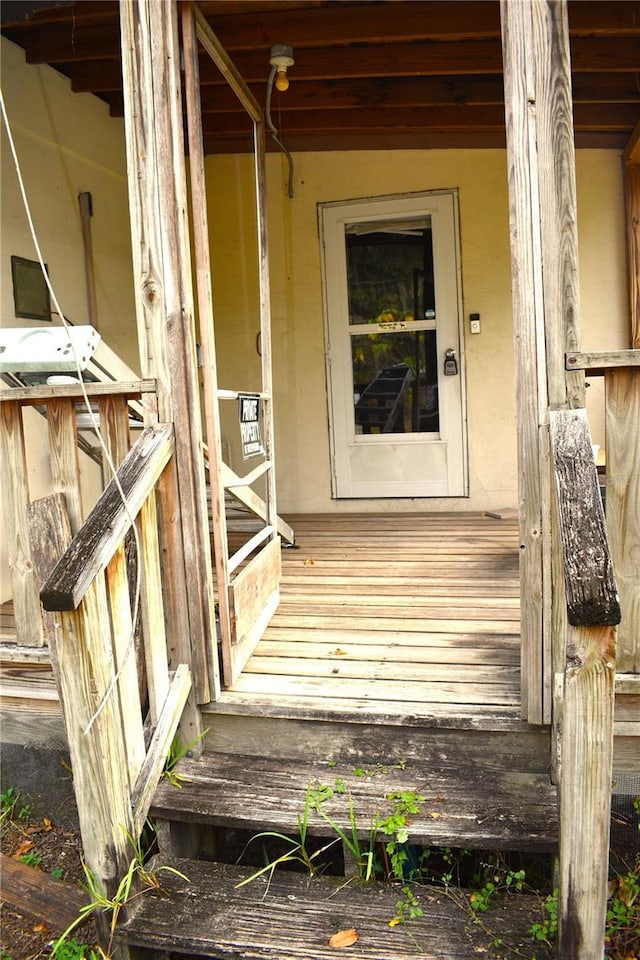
x=367 y=75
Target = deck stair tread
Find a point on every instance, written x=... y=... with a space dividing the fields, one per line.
x=292 y=917
x=463 y=807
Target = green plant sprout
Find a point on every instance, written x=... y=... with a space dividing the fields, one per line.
x=137 y=881
x=176 y=753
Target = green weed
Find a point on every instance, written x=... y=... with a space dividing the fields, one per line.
x=137 y=880
x=31 y=858
x=13 y=807
x=176 y=753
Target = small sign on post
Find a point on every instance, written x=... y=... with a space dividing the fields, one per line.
x=249 y=415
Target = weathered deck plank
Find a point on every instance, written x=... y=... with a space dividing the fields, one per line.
x=510 y=810
x=391 y=614
x=292 y=917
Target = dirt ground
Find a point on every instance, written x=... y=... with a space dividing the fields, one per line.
x=57 y=849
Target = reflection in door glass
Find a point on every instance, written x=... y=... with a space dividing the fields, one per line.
x=390 y=281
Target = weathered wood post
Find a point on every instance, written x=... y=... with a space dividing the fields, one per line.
x=586 y=744
x=165 y=313
x=542 y=199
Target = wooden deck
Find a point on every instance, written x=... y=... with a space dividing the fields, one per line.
x=395 y=615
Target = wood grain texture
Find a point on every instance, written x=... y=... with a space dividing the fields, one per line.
x=292 y=916
x=50 y=535
x=622 y=393
x=36 y=396
x=56 y=903
x=632 y=209
x=106 y=525
x=382 y=606
x=512 y=809
x=585 y=790
x=603 y=359
x=98 y=748
x=591 y=594
x=204 y=291
x=64 y=457
x=29 y=629
x=530 y=364
x=164 y=301
x=160 y=745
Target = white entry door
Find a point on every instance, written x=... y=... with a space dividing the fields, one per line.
x=394 y=366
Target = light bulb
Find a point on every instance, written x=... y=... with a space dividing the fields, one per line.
x=282 y=81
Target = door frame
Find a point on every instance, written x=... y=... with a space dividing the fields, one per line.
x=407 y=204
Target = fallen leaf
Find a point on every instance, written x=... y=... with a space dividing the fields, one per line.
x=343 y=938
x=41 y=928
x=308 y=562
x=394 y=922
x=23 y=848
x=338 y=652
x=435 y=814
x=47 y=823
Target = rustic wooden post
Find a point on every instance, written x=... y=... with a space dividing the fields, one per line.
x=622 y=395
x=542 y=198
x=632 y=202
x=586 y=746
x=13 y=467
x=164 y=302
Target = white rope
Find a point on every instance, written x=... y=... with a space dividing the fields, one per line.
x=94 y=420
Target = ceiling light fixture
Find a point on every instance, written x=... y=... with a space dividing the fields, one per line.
x=281 y=58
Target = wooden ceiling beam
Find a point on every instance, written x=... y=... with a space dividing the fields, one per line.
x=347 y=23
x=105 y=76
x=587 y=117
x=256 y=25
x=400 y=140
x=92 y=12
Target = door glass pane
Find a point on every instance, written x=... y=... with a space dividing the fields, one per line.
x=395 y=382
x=390 y=280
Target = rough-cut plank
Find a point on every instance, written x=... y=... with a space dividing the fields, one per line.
x=154 y=633
x=55 y=903
x=124 y=656
x=50 y=535
x=622 y=392
x=164 y=733
x=585 y=790
x=365 y=744
x=592 y=598
x=253 y=598
x=106 y=525
x=337 y=688
x=164 y=301
x=205 y=315
x=603 y=360
x=64 y=456
x=528 y=325
x=35 y=396
x=462 y=807
x=292 y=917
x=344 y=666
x=438 y=657
x=15 y=491
x=96 y=735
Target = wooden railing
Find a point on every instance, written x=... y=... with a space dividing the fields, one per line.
x=121 y=702
x=584 y=710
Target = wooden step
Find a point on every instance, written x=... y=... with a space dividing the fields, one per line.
x=467 y=806
x=292 y=917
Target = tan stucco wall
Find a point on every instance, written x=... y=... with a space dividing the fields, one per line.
x=302 y=437
x=67 y=144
